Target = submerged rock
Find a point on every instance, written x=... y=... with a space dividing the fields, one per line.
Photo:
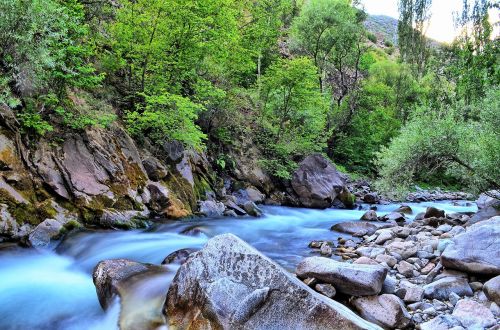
x=351 y=279
x=230 y=285
x=317 y=182
x=477 y=250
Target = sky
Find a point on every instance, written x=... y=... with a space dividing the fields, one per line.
x=440 y=27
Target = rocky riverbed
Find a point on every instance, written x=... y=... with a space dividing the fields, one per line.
x=432 y=270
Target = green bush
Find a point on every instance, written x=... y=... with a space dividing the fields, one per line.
x=372 y=37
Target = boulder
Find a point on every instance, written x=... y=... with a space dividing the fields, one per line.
x=473 y=315
x=41 y=236
x=230 y=285
x=159 y=197
x=211 y=209
x=492 y=289
x=477 y=250
x=327 y=290
x=154 y=169
x=252 y=209
x=369 y=215
x=441 y=322
x=386 y=310
x=404 y=209
x=351 y=279
x=442 y=288
x=488 y=205
x=359 y=228
x=132 y=282
x=432 y=212
x=393 y=216
x=405 y=268
x=317 y=182
x=405 y=249
x=371 y=198
x=251 y=194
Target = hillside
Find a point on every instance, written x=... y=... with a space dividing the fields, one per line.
x=384 y=27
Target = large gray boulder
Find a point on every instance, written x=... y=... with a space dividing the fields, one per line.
x=488 y=205
x=477 y=250
x=46 y=231
x=317 y=182
x=386 y=310
x=351 y=279
x=230 y=285
x=473 y=315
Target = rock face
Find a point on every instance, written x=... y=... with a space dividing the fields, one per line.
x=351 y=279
x=386 y=310
x=230 y=285
x=477 y=250
x=317 y=182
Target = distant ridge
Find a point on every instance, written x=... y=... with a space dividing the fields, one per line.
x=383 y=27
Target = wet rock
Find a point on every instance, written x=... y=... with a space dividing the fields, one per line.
x=111 y=218
x=159 y=197
x=46 y=231
x=110 y=277
x=178 y=257
x=488 y=205
x=477 y=250
x=371 y=198
x=473 y=315
x=317 y=182
x=432 y=212
x=393 y=216
x=492 y=289
x=326 y=249
x=247 y=194
x=326 y=290
x=252 y=209
x=231 y=204
x=441 y=289
x=230 y=285
x=386 y=310
x=351 y=279
x=384 y=236
x=211 y=209
x=369 y=215
x=359 y=228
x=404 y=209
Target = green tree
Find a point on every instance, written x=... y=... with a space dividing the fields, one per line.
x=292 y=113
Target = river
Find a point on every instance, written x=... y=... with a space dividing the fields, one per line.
x=54 y=289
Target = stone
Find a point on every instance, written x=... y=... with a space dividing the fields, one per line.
x=159 y=197
x=211 y=209
x=473 y=314
x=389 y=260
x=359 y=228
x=369 y=215
x=111 y=218
x=370 y=252
x=389 y=285
x=326 y=289
x=476 y=286
x=46 y=231
x=247 y=194
x=488 y=205
x=371 y=198
x=477 y=250
x=404 y=209
x=454 y=298
x=441 y=289
x=386 y=310
x=404 y=249
x=492 y=289
x=444 y=228
x=394 y=216
x=441 y=322
x=317 y=182
x=123 y=278
x=178 y=257
x=351 y=279
x=432 y=212
x=252 y=209
x=384 y=236
x=326 y=249
x=365 y=261
x=411 y=294
x=495 y=309
x=405 y=268
x=230 y=285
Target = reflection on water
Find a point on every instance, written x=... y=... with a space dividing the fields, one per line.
x=54 y=290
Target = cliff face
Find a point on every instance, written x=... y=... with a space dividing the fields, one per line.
x=95 y=177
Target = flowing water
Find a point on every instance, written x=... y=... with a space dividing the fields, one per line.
x=54 y=289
